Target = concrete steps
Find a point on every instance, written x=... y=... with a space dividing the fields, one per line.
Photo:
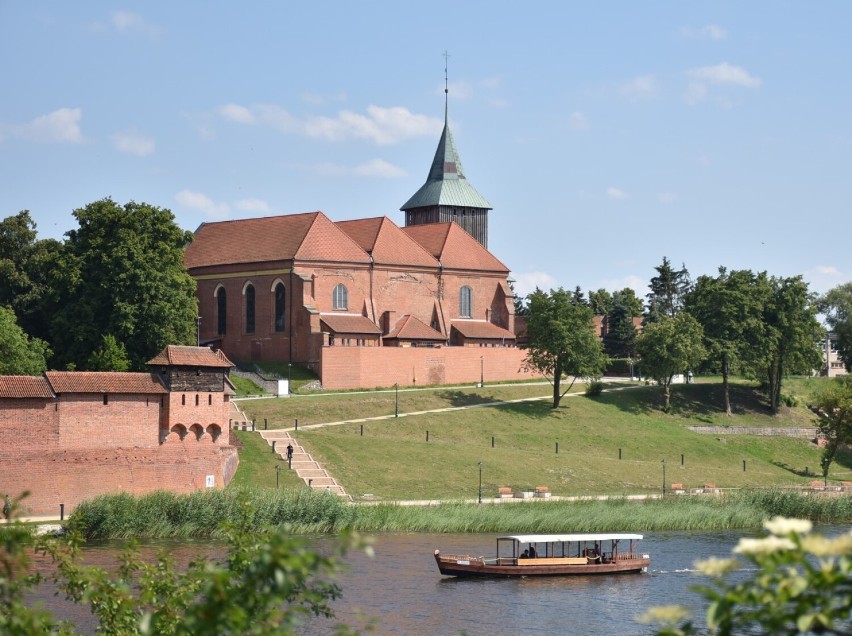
x=306 y=467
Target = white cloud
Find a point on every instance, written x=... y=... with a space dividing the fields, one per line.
x=373 y=168
x=253 y=205
x=640 y=87
x=667 y=197
x=380 y=125
x=133 y=143
x=824 y=277
x=578 y=121
x=60 y=126
x=126 y=21
x=202 y=202
x=637 y=284
x=526 y=282
x=616 y=193
x=723 y=74
x=707 y=32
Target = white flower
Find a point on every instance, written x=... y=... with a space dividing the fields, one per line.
x=821 y=547
x=715 y=566
x=782 y=526
x=767 y=545
x=664 y=615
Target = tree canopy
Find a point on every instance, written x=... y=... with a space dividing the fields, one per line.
x=19 y=354
x=669 y=347
x=837 y=307
x=562 y=339
x=833 y=402
x=668 y=291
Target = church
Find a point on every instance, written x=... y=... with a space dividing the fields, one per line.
x=365 y=303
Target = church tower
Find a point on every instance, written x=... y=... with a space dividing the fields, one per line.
x=447 y=195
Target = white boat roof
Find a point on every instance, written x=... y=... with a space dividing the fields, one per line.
x=556 y=538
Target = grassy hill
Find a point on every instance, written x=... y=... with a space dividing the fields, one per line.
x=393 y=460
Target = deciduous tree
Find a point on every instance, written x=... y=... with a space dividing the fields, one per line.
x=837 y=307
x=19 y=354
x=834 y=404
x=600 y=301
x=669 y=347
x=562 y=339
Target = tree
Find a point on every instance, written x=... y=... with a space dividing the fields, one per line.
x=669 y=347
x=128 y=281
x=562 y=339
x=112 y=356
x=668 y=289
x=600 y=301
x=620 y=338
x=789 y=340
x=730 y=312
x=19 y=354
x=834 y=404
x=793 y=582
x=837 y=307
x=578 y=296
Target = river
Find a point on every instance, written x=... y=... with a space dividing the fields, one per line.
x=401 y=589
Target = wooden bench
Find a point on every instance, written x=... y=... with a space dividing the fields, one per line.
x=542 y=491
x=678 y=489
x=710 y=487
x=504 y=492
x=554 y=561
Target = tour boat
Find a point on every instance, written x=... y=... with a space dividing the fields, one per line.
x=551 y=555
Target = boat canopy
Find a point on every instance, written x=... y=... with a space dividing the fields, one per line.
x=556 y=538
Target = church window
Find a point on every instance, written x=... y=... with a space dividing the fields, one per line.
x=279 y=306
x=340 y=297
x=465 y=301
x=249 y=308
x=222 y=311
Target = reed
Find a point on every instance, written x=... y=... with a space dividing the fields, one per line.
x=200 y=514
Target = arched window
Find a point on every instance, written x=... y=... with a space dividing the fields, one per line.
x=249 y=308
x=465 y=301
x=340 y=298
x=280 y=305
x=222 y=311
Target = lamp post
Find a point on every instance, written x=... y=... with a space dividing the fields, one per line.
x=396 y=400
x=289 y=375
x=664 y=478
x=481 y=371
x=480 y=482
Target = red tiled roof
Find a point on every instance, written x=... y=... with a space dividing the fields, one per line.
x=183 y=356
x=308 y=236
x=348 y=323
x=411 y=328
x=385 y=241
x=481 y=329
x=455 y=248
x=24 y=386
x=103 y=382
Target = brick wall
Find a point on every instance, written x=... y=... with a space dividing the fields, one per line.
x=352 y=367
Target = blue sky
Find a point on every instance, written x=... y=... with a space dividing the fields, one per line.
x=606 y=135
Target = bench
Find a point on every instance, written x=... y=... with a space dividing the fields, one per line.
x=678 y=489
x=504 y=491
x=710 y=488
x=817 y=485
x=542 y=491
x=554 y=561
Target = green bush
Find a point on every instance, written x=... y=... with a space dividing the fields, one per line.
x=594 y=388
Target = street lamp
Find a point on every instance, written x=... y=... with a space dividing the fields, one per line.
x=664 y=478
x=481 y=371
x=480 y=482
x=289 y=375
x=396 y=400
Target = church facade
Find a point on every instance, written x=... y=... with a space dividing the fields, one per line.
x=364 y=302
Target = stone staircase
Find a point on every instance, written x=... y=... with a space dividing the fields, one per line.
x=305 y=466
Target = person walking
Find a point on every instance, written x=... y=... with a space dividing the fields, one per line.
x=289 y=452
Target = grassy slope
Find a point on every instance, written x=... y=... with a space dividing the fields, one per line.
x=393 y=459
x=257 y=465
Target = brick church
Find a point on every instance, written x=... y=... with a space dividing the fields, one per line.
x=72 y=435
x=365 y=303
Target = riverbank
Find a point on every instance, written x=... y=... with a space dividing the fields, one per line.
x=200 y=515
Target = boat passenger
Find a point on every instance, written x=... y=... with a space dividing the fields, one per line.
x=525 y=554
x=533 y=553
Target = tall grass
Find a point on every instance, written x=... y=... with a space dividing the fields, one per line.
x=163 y=514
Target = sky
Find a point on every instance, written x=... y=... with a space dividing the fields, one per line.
x=606 y=135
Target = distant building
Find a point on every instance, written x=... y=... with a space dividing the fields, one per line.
x=365 y=303
x=833 y=364
x=72 y=435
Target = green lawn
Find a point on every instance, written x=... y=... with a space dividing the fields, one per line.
x=393 y=459
x=257 y=465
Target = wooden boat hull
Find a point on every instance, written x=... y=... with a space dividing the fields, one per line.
x=450 y=566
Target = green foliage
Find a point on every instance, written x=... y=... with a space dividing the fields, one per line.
x=111 y=356
x=268 y=583
x=600 y=302
x=834 y=403
x=668 y=347
x=797 y=583
x=19 y=354
x=125 y=278
x=668 y=291
x=837 y=307
x=594 y=388
x=562 y=339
